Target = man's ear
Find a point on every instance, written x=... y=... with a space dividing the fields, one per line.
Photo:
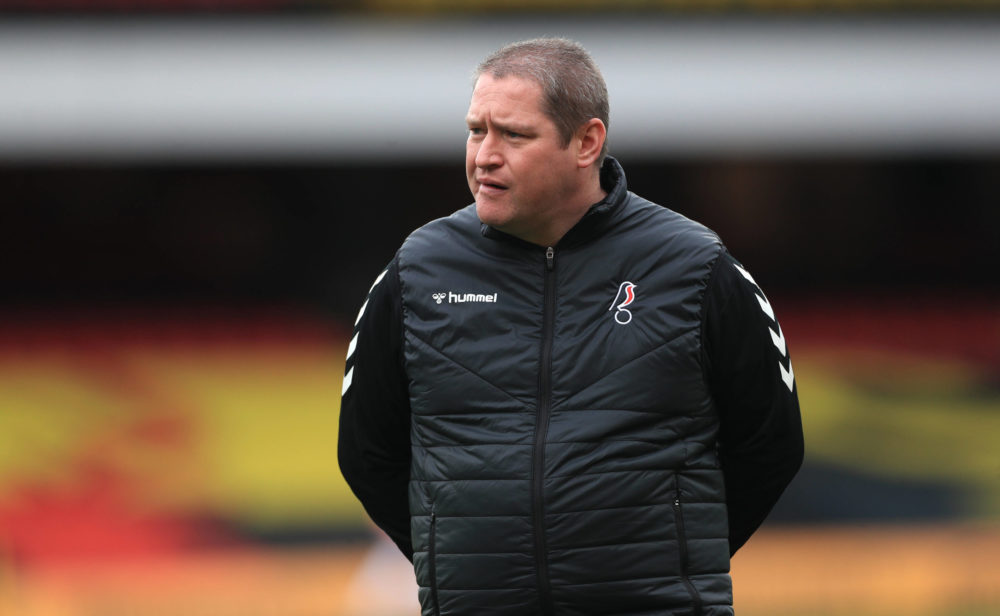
x=591 y=136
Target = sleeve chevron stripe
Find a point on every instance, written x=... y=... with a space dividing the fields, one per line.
x=348 y=378
x=778 y=338
x=378 y=280
x=353 y=345
x=354 y=341
x=361 y=313
x=788 y=376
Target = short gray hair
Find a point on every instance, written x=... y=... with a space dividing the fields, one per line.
x=573 y=89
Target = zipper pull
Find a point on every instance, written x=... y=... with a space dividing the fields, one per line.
x=550 y=256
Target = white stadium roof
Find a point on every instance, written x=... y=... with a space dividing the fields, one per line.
x=363 y=89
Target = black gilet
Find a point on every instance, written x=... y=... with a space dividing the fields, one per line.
x=563 y=435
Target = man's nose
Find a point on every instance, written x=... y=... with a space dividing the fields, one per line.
x=488 y=154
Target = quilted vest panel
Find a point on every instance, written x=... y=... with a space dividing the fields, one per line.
x=563 y=435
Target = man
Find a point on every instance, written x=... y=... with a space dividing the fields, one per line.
x=564 y=399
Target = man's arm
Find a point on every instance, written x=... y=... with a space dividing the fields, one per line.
x=752 y=382
x=374 y=443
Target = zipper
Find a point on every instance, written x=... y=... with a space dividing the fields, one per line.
x=683 y=548
x=432 y=559
x=541 y=429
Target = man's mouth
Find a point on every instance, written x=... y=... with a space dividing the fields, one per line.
x=491 y=185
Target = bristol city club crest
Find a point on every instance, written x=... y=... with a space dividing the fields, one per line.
x=623 y=299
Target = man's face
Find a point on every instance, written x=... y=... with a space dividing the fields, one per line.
x=519 y=173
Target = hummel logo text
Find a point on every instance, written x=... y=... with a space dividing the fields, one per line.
x=461 y=298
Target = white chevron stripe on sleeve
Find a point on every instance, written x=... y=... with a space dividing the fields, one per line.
x=378 y=280
x=766 y=307
x=764 y=304
x=348 y=378
x=777 y=338
x=788 y=376
x=361 y=312
x=746 y=275
x=365 y=305
x=354 y=344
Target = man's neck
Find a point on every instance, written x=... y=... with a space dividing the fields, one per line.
x=560 y=226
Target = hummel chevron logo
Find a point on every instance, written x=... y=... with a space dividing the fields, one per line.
x=777 y=337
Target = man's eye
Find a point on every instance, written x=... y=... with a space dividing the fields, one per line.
x=513 y=135
x=476 y=131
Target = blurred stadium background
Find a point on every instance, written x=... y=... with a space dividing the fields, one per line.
x=196 y=194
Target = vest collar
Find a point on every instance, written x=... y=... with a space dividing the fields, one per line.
x=597 y=218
